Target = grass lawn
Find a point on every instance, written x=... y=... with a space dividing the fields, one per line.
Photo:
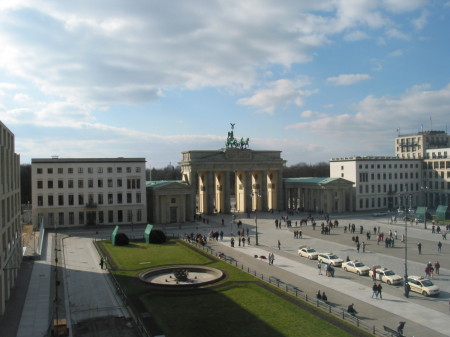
x=239 y=305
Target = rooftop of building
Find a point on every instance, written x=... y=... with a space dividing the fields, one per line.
x=423 y=133
x=311 y=180
x=86 y=160
x=155 y=184
x=373 y=158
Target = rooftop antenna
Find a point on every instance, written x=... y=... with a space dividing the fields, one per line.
x=398 y=131
x=431 y=124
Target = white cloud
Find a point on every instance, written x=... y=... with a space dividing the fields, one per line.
x=420 y=22
x=395 y=33
x=312 y=114
x=278 y=93
x=356 y=35
x=348 y=79
x=396 y=53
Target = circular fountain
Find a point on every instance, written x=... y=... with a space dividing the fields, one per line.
x=182 y=276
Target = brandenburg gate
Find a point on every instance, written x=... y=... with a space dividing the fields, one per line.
x=254 y=178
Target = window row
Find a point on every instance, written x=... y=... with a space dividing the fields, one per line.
x=391 y=188
x=132 y=183
x=80 y=200
x=70 y=170
x=378 y=166
x=364 y=176
x=90 y=218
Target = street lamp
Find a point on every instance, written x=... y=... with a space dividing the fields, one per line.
x=405 y=196
x=256 y=215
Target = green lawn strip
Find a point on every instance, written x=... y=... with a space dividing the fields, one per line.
x=243 y=309
x=239 y=305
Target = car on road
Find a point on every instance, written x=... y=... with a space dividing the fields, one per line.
x=330 y=258
x=386 y=275
x=422 y=285
x=356 y=267
x=308 y=252
x=380 y=213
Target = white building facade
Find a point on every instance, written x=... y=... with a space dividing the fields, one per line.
x=88 y=191
x=436 y=177
x=381 y=182
x=10 y=223
x=414 y=146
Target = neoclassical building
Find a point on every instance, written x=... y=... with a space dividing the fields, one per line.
x=253 y=177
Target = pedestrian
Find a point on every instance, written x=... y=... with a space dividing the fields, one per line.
x=239 y=241
x=102 y=262
x=319 y=266
x=319 y=295
x=364 y=247
x=358 y=246
x=248 y=240
x=374 y=274
x=407 y=289
x=437 y=265
x=419 y=247
x=379 y=290
x=270 y=258
x=279 y=245
x=243 y=241
x=273 y=258
x=375 y=290
x=439 y=245
x=324 y=297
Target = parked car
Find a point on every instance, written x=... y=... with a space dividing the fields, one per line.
x=422 y=285
x=386 y=275
x=380 y=213
x=356 y=267
x=308 y=252
x=330 y=258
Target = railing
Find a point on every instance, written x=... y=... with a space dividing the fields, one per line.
x=293 y=290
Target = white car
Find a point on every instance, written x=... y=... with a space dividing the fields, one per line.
x=422 y=285
x=356 y=267
x=386 y=275
x=308 y=252
x=330 y=258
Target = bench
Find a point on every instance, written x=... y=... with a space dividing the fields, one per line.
x=292 y=288
x=276 y=280
x=353 y=317
x=393 y=332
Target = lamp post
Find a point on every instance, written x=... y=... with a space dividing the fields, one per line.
x=405 y=196
x=257 y=195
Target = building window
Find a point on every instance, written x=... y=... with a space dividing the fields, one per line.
x=60 y=200
x=70 y=183
x=130 y=215
x=110 y=198
x=81 y=218
x=61 y=218
x=138 y=197
x=80 y=183
x=40 y=184
x=100 y=217
x=80 y=170
x=50 y=184
x=119 y=182
x=50 y=200
x=139 y=215
x=90 y=183
x=60 y=170
x=90 y=170
x=100 y=199
x=71 y=202
x=109 y=169
x=60 y=183
x=119 y=198
x=119 y=170
x=40 y=200
x=99 y=169
x=129 y=198
x=138 y=170
x=100 y=183
x=119 y=215
x=70 y=169
x=71 y=218
x=39 y=171
x=80 y=199
x=49 y=170
x=110 y=216
x=128 y=169
x=110 y=183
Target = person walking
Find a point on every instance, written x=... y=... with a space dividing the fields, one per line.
x=379 y=290
x=419 y=247
x=375 y=290
x=319 y=266
x=102 y=262
x=279 y=245
x=437 y=265
x=439 y=245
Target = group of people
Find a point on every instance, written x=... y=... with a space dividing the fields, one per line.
x=376 y=290
x=322 y=296
x=430 y=270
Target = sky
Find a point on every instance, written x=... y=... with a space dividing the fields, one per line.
x=144 y=78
